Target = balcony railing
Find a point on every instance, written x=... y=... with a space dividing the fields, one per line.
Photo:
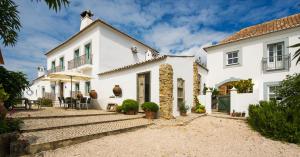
x=77 y=62
x=276 y=63
x=56 y=69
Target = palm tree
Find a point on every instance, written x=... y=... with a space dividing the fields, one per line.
x=297 y=53
x=10 y=21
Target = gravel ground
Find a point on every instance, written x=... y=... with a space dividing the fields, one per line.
x=205 y=136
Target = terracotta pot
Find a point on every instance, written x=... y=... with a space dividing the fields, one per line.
x=93 y=94
x=117 y=90
x=131 y=113
x=150 y=114
x=183 y=114
x=79 y=96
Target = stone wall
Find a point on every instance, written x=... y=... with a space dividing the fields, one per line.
x=166 y=91
x=196 y=84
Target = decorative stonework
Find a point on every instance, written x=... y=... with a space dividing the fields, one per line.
x=166 y=90
x=196 y=83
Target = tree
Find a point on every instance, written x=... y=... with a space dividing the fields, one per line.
x=10 y=21
x=297 y=53
x=14 y=83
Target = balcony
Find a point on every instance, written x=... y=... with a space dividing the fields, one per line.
x=281 y=62
x=80 y=61
x=56 y=69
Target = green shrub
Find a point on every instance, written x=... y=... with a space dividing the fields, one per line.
x=10 y=125
x=183 y=107
x=275 y=121
x=130 y=105
x=119 y=109
x=199 y=108
x=150 y=106
x=45 y=102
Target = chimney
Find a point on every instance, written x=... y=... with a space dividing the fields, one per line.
x=86 y=18
x=41 y=71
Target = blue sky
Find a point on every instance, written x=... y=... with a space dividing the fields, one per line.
x=179 y=27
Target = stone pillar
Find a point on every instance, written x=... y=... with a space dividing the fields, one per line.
x=233 y=94
x=208 y=98
x=166 y=91
x=196 y=84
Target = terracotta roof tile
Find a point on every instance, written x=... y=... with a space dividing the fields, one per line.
x=264 y=28
x=134 y=65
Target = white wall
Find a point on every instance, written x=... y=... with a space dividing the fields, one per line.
x=116 y=50
x=127 y=80
x=36 y=89
x=251 y=67
x=182 y=68
x=239 y=102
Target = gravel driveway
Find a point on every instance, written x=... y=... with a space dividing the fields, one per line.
x=206 y=136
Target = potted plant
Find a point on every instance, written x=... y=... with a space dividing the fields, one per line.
x=150 y=109
x=130 y=106
x=183 y=109
x=3 y=96
x=200 y=108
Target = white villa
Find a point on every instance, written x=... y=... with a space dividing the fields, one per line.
x=259 y=53
x=113 y=58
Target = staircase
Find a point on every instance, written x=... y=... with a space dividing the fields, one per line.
x=46 y=133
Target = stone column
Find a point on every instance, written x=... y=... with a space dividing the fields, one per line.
x=208 y=98
x=233 y=94
x=196 y=84
x=166 y=91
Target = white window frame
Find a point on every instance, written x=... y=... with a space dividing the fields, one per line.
x=232 y=58
x=273 y=93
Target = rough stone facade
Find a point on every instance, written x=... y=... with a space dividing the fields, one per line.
x=166 y=91
x=196 y=83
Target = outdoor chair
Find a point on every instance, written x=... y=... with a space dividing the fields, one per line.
x=85 y=102
x=60 y=101
x=70 y=103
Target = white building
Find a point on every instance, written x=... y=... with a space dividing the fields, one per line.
x=259 y=53
x=111 y=58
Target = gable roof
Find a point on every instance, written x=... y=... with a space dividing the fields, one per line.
x=98 y=21
x=276 y=25
x=135 y=64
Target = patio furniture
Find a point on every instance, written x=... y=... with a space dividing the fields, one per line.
x=71 y=102
x=62 y=101
x=85 y=102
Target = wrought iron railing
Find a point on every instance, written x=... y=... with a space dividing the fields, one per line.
x=56 y=69
x=79 y=61
x=279 y=62
x=47 y=95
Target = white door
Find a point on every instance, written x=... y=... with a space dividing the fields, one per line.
x=275 y=56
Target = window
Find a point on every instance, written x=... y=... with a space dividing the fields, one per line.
x=180 y=91
x=87 y=51
x=272 y=92
x=61 y=63
x=53 y=65
x=275 y=51
x=232 y=58
x=76 y=53
x=87 y=87
x=77 y=87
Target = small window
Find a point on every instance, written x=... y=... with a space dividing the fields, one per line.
x=272 y=93
x=61 y=63
x=77 y=87
x=232 y=58
x=87 y=87
x=53 y=65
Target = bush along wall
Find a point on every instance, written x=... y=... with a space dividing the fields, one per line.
x=279 y=120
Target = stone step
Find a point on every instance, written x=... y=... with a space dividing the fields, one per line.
x=55 y=138
x=31 y=125
x=66 y=116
